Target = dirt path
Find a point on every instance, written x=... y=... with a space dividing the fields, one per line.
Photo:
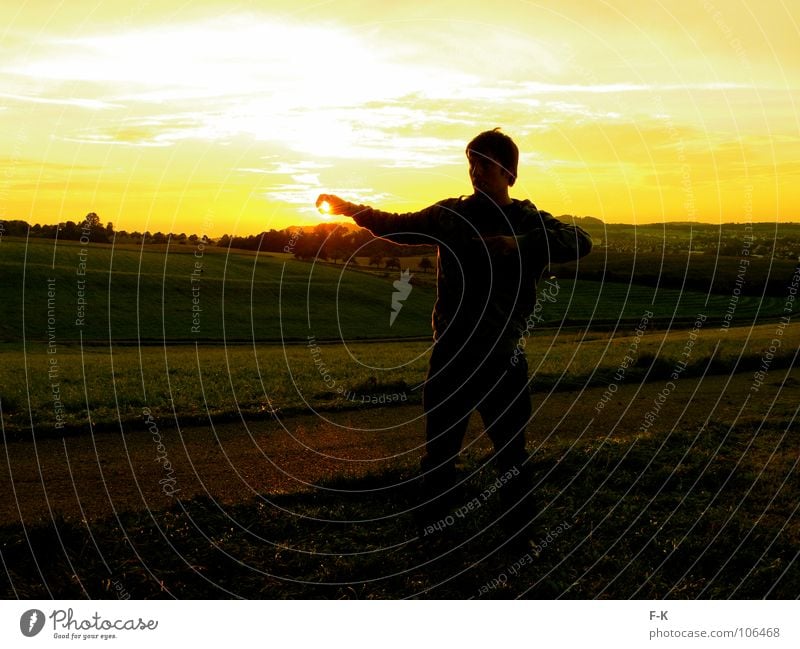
x=85 y=477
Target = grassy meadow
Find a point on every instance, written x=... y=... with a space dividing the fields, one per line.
x=190 y=383
x=134 y=348
x=703 y=505
x=186 y=293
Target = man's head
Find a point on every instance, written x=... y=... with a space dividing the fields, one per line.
x=492 y=153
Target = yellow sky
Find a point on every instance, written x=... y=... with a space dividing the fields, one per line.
x=225 y=117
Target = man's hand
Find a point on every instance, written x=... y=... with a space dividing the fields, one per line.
x=335 y=205
x=499 y=245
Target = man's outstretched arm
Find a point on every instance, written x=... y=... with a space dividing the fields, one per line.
x=411 y=228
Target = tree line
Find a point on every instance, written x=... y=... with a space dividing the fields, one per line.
x=325 y=241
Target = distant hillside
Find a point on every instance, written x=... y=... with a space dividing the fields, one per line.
x=348 y=226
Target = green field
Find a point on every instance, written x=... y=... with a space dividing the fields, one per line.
x=154 y=294
x=693 y=508
x=190 y=383
x=186 y=294
x=95 y=371
x=754 y=275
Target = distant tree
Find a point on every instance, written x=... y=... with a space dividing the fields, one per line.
x=305 y=248
x=17 y=228
x=239 y=242
x=358 y=240
x=92 y=227
x=92 y=220
x=69 y=231
x=274 y=240
x=392 y=262
x=376 y=260
x=425 y=264
x=50 y=231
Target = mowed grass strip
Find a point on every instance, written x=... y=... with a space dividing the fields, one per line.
x=190 y=383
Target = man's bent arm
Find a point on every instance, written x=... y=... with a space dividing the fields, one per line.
x=559 y=242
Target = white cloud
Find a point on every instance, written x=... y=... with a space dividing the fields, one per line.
x=321 y=91
x=80 y=102
x=602 y=88
x=109 y=140
x=307 y=179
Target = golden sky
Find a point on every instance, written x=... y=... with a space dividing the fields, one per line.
x=222 y=117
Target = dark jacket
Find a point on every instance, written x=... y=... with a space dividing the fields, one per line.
x=485 y=290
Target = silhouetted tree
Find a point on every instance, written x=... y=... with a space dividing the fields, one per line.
x=69 y=231
x=305 y=247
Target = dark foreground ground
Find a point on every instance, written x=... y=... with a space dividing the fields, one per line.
x=704 y=503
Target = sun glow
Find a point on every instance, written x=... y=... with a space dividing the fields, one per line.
x=157 y=120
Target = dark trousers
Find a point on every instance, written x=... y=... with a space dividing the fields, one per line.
x=460 y=381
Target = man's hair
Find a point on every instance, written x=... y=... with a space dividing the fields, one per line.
x=499 y=147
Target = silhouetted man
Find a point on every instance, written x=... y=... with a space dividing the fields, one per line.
x=491 y=251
